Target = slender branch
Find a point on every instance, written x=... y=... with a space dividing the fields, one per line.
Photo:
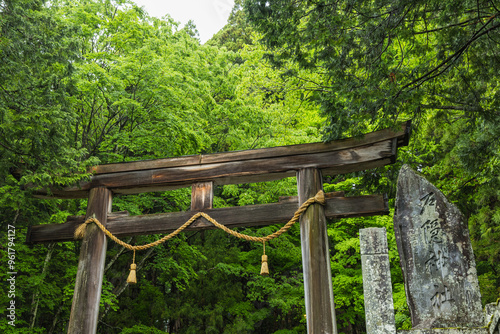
x=460 y=24
x=108 y=325
x=494 y=6
x=15 y=217
x=36 y=296
x=113 y=260
x=14 y=151
x=125 y=284
x=432 y=106
x=56 y=318
x=447 y=62
x=463 y=185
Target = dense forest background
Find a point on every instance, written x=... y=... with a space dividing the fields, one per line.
x=89 y=82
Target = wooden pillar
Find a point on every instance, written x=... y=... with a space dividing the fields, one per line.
x=201 y=196
x=87 y=295
x=320 y=307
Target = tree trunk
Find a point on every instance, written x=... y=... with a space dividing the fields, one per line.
x=36 y=295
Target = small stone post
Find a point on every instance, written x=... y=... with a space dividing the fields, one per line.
x=379 y=306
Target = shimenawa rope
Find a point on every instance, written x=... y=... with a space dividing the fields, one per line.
x=318 y=198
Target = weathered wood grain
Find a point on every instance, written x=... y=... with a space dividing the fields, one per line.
x=64 y=230
x=85 y=307
x=201 y=199
x=349 y=155
x=246 y=171
x=242 y=216
x=262 y=153
x=201 y=196
x=318 y=289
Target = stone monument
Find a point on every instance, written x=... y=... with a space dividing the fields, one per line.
x=436 y=257
x=377 y=288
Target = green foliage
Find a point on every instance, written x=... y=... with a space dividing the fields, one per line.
x=141 y=329
x=35 y=119
x=236 y=33
x=112 y=85
x=387 y=60
x=87 y=82
x=466 y=168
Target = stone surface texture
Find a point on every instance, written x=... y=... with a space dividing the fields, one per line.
x=492 y=317
x=480 y=330
x=379 y=305
x=436 y=257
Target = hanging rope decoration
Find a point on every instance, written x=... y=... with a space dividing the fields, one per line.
x=132 y=278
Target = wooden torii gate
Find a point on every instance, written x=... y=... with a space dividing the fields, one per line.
x=202 y=172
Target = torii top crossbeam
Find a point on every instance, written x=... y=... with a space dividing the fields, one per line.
x=373 y=150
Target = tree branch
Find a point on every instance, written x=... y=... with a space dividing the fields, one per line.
x=125 y=284
x=460 y=24
x=447 y=62
x=432 y=106
x=113 y=260
x=36 y=296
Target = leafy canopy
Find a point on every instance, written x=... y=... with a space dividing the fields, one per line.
x=384 y=61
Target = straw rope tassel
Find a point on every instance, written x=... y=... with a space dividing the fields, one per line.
x=132 y=277
x=264 y=269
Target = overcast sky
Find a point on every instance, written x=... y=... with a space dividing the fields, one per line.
x=208 y=15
